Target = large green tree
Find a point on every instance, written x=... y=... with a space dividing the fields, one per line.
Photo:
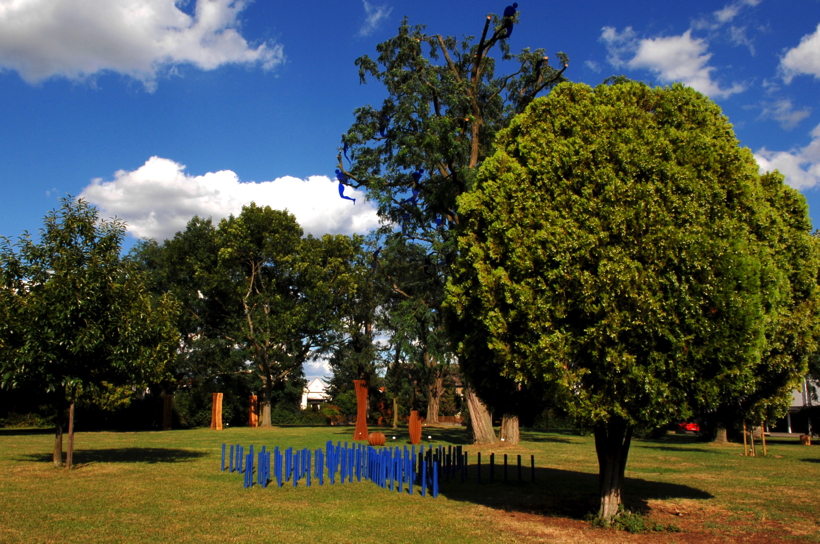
x=255 y=287
x=621 y=247
x=419 y=150
x=80 y=321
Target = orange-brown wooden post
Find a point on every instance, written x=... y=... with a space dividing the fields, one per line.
x=216 y=412
x=415 y=427
x=167 y=408
x=361 y=412
x=253 y=417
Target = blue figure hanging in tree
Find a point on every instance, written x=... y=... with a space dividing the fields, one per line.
x=509 y=12
x=344 y=150
x=342 y=179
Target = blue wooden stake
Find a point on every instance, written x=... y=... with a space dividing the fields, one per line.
x=423 y=477
x=410 y=475
x=436 y=470
x=307 y=470
x=278 y=462
x=223 y=457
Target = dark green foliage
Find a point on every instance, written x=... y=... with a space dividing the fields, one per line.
x=254 y=290
x=418 y=151
x=79 y=321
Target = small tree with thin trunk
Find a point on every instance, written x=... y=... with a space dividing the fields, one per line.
x=81 y=319
x=621 y=247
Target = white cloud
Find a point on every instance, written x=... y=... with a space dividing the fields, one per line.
x=724 y=15
x=317 y=368
x=803 y=59
x=737 y=35
x=158 y=199
x=674 y=58
x=801 y=167
x=75 y=39
x=784 y=113
x=619 y=45
x=592 y=65
x=375 y=15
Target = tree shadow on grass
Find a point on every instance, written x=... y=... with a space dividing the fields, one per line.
x=529 y=436
x=671 y=448
x=125 y=455
x=556 y=492
x=13 y=431
x=811 y=460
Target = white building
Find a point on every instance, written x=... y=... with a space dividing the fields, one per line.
x=314 y=394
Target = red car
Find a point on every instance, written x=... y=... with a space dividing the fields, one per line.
x=693 y=427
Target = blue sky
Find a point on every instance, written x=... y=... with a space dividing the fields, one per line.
x=156 y=110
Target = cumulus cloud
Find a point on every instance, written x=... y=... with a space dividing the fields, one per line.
x=317 y=368
x=801 y=166
x=158 y=199
x=803 y=59
x=375 y=15
x=784 y=113
x=41 y=39
x=673 y=58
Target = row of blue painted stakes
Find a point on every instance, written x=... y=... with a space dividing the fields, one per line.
x=393 y=468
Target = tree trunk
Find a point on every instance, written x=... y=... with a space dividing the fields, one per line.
x=58 y=444
x=720 y=437
x=435 y=390
x=480 y=420
x=69 y=456
x=509 y=429
x=267 y=386
x=395 y=413
x=434 y=393
x=612 y=440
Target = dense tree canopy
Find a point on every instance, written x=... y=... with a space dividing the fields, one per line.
x=253 y=285
x=621 y=247
x=417 y=151
x=79 y=320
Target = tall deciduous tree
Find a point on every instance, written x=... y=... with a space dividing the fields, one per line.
x=621 y=246
x=417 y=152
x=286 y=292
x=81 y=319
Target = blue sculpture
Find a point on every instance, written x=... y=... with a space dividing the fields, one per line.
x=342 y=179
x=509 y=12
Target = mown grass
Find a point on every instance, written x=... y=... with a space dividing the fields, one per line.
x=167 y=487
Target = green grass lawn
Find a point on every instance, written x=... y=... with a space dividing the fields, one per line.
x=168 y=487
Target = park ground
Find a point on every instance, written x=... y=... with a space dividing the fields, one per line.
x=168 y=487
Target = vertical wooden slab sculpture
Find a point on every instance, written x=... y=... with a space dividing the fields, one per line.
x=415 y=427
x=216 y=412
x=361 y=412
x=253 y=416
x=167 y=408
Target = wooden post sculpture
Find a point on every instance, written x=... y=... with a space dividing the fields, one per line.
x=167 y=408
x=361 y=413
x=216 y=412
x=253 y=416
x=415 y=427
